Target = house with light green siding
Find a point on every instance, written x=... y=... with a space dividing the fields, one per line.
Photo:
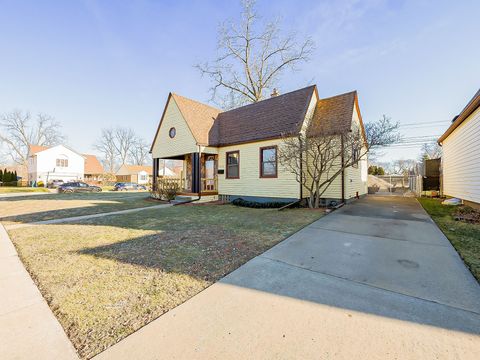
x=233 y=154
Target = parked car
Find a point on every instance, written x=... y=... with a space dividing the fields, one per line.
x=125 y=186
x=78 y=186
x=55 y=184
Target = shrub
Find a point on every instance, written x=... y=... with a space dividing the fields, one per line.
x=167 y=189
x=258 y=205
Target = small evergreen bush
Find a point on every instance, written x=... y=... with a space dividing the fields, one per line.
x=258 y=205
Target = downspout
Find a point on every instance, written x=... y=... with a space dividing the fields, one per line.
x=343 y=169
x=155 y=171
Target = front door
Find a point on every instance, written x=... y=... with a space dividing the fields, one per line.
x=209 y=172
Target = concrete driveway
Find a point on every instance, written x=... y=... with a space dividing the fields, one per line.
x=374 y=280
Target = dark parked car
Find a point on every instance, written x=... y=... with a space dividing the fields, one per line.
x=78 y=186
x=125 y=186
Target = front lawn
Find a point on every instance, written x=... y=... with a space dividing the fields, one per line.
x=15 y=189
x=465 y=237
x=104 y=278
x=26 y=209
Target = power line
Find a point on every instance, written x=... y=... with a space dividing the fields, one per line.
x=426 y=122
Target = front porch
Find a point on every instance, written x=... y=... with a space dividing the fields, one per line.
x=199 y=174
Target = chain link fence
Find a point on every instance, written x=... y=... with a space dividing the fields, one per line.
x=395 y=185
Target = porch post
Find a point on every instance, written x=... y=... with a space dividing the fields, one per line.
x=155 y=173
x=195 y=172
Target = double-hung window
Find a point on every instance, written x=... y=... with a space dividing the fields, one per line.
x=62 y=162
x=268 y=162
x=233 y=165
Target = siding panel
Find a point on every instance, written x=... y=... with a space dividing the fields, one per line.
x=250 y=183
x=182 y=143
x=461 y=160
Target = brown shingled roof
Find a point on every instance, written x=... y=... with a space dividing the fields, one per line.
x=333 y=115
x=135 y=169
x=266 y=119
x=199 y=117
x=92 y=165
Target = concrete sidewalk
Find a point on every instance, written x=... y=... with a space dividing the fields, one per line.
x=374 y=280
x=85 y=217
x=28 y=328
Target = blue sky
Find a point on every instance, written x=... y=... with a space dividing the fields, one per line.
x=95 y=64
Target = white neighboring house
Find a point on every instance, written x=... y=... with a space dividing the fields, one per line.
x=54 y=163
x=461 y=155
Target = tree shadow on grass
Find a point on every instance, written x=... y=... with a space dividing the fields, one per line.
x=201 y=253
x=214 y=249
x=98 y=203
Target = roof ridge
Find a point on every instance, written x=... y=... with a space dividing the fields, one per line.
x=196 y=101
x=271 y=98
x=335 y=96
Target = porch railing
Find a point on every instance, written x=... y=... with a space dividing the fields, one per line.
x=209 y=184
x=169 y=181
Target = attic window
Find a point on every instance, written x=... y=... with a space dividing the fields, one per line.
x=172 y=132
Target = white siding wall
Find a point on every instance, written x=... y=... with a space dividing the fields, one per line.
x=182 y=143
x=44 y=167
x=461 y=160
x=250 y=183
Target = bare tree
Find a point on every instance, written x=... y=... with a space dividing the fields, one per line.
x=106 y=146
x=124 y=141
x=121 y=145
x=18 y=130
x=403 y=166
x=139 y=152
x=317 y=157
x=251 y=59
x=430 y=151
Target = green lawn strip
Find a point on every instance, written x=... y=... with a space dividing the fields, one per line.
x=105 y=278
x=56 y=206
x=465 y=237
x=15 y=189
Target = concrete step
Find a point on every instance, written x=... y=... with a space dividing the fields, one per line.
x=185 y=198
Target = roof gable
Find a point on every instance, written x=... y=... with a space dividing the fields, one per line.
x=333 y=115
x=35 y=149
x=199 y=117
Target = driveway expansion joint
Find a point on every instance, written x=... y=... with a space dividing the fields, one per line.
x=381 y=237
x=367 y=285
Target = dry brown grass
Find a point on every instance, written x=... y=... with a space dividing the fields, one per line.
x=104 y=278
x=55 y=206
